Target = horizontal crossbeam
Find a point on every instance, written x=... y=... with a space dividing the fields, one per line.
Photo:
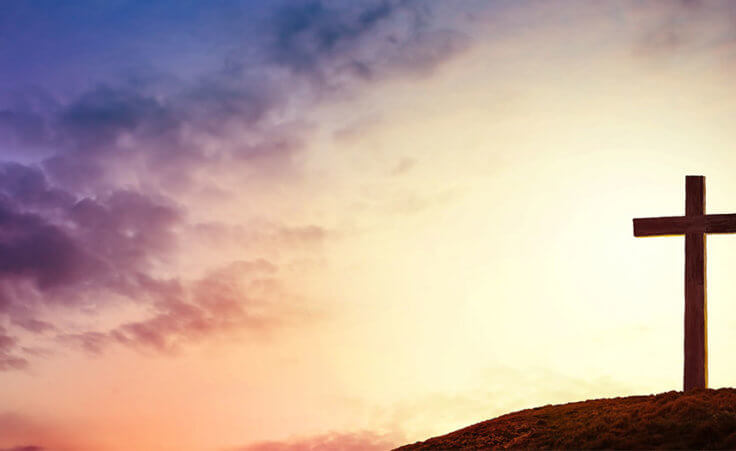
x=680 y=225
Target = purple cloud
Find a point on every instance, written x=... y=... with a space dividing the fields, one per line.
x=238 y=296
x=32 y=248
x=325 y=47
x=54 y=240
x=54 y=247
x=94 y=165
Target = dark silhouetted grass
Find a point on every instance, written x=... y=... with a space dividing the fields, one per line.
x=700 y=419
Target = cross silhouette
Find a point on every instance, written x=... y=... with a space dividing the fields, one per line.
x=694 y=225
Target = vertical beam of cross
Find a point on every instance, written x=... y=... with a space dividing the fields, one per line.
x=696 y=344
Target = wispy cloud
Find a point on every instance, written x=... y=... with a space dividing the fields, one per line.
x=342 y=441
x=8 y=359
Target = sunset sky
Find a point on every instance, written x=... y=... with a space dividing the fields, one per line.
x=317 y=225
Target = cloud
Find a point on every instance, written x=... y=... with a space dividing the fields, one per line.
x=240 y=296
x=33 y=248
x=667 y=29
x=33 y=325
x=243 y=109
x=56 y=249
x=307 y=33
x=9 y=361
x=99 y=116
x=337 y=44
x=55 y=240
x=90 y=341
x=344 y=441
x=96 y=172
x=28 y=186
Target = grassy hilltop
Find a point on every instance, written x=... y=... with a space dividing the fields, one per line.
x=699 y=419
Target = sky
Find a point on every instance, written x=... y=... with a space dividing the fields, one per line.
x=318 y=225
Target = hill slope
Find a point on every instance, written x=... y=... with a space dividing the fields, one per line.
x=694 y=420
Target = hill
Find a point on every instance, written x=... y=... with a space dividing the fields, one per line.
x=699 y=419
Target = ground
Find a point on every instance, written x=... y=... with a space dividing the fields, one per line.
x=698 y=419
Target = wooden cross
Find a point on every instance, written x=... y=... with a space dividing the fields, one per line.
x=694 y=225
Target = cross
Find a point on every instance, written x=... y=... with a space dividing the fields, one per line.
x=694 y=225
